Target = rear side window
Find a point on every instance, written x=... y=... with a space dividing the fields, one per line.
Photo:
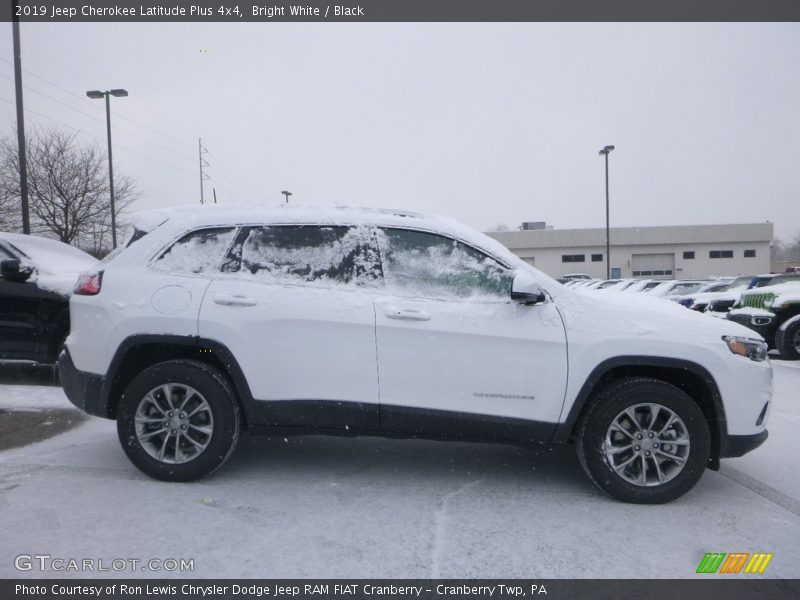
x=200 y=251
x=430 y=265
x=302 y=254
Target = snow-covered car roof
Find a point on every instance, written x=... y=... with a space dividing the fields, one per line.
x=57 y=264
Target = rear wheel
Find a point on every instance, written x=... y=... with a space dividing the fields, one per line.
x=787 y=339
x=178 y=420
x=644 y=441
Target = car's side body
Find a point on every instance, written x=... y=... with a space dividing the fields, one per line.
x=367 y=357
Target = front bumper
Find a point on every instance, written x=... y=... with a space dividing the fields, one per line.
x=760 y=323
x=84 y=390
x=739 y=445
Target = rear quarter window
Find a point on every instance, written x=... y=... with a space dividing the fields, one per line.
x=199 y=251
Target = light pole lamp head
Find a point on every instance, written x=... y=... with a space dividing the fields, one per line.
x=95 y=94
x=606 y=150
x=120 y=93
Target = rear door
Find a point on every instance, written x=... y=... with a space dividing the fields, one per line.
x=294 y=306
x=456 y=356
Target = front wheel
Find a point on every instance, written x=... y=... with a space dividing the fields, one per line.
x=644 y=441
x=178 y=420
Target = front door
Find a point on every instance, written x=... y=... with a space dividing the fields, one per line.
x=456 y=356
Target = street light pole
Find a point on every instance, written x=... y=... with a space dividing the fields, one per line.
x=605 y=152
x=287 y=194
x=96 y=94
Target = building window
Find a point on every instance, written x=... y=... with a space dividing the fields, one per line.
x=573 y=258
x=750 y=253
x=688 y=255
x=720 y=254
x=656 y=273
x=597 y=258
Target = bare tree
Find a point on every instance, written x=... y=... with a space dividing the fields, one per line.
x=10 y=206
x=68 y=187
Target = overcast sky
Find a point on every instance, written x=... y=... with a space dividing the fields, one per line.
x=488 y=123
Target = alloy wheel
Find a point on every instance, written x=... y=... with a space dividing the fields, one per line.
x=647 y=444
x=174 y=423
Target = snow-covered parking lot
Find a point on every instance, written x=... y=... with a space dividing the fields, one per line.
x=366 y=507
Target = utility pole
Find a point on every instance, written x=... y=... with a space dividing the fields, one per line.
x=23 y=157
x=215 y=194
x=201 y=150
x=287 y=194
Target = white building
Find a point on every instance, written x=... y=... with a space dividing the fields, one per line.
x=680 y=252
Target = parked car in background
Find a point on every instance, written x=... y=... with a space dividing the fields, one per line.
x=773 y=311
x=722 y=302
x=576 y=276
x=36 y=280
x=643 y=285
x=711 y=287
x=675 y=287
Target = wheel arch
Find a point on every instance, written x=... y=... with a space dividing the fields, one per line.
x=692 y=378
x=138 y=352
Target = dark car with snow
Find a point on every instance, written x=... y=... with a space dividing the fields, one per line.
x=36 y=280
x=774 y=312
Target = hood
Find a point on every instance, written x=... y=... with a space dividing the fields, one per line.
x=617 y=314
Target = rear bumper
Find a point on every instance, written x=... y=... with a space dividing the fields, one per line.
x=84 y=390
x=739 y=445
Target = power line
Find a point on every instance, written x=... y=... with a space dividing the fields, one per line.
x=118 y=128
x=72 y=93
x=139 y=154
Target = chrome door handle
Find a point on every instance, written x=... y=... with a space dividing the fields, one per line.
x=234 y=300
x=408 y=314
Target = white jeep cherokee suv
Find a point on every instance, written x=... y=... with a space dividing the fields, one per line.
x=366 y=322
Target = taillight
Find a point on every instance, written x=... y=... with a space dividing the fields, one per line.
x=89 y=284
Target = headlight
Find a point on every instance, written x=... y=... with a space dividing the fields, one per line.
x=752 y=349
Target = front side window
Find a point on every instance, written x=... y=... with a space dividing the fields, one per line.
x=424 y=264
x=301 y=254
x=199 y=251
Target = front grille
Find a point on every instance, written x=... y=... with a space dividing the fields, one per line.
x=757 y=300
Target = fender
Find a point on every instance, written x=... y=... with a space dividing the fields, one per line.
x=196 y=347
x=719 y=429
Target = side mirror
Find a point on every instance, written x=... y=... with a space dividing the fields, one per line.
x=525 y=290
x=10 y=269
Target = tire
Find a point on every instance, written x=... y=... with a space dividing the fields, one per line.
x=787 y=340
x=160 y=442
x=599 y=444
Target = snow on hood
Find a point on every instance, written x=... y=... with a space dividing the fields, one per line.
x=616 y=313
x=56 y=265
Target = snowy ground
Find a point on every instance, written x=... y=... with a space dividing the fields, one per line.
x=334 y=507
